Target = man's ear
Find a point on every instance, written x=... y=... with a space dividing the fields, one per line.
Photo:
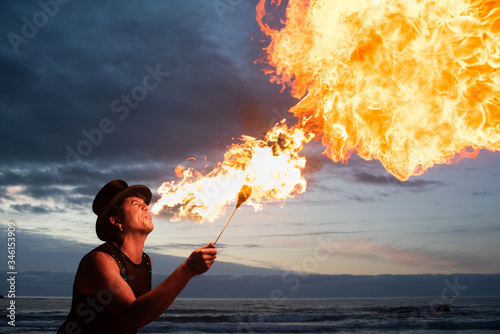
x=114 y=220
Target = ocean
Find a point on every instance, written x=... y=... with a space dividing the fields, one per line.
x=380 y=315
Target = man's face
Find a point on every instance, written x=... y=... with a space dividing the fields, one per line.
x=136 y=216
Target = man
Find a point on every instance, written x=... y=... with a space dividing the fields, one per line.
x=112 y=289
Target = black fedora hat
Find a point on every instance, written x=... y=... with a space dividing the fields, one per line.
x=110 y=195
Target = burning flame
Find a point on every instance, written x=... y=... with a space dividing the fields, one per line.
x=411 y=83
x=271 y=166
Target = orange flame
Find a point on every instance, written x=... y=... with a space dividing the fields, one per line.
x=272 y=167
x=411 y=83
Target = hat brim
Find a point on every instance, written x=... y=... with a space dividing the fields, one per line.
x=103 y=225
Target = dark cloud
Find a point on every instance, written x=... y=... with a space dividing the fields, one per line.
x=75 y=110
x=251 y=245
x=415 y=185
x=304 y=234
x=483 y=193
x=44 y=192
x=34 y=209
x=24 y=173
x=363 y=199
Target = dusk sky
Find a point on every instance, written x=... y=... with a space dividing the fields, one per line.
x=95 y=91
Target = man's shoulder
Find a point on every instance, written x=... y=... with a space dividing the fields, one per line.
x=105 y=247
x=102 y=248
x=95 y=269
x=97 y=257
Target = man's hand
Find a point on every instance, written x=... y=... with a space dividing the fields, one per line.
x=201 y=259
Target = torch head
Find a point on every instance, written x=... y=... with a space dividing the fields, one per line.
x=243 y=195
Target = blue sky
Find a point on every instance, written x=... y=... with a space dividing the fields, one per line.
x=98 y=91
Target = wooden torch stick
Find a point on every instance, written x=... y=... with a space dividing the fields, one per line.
x=243 y=195
x=225 y=226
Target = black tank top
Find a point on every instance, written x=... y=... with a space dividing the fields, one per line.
x=89 y=314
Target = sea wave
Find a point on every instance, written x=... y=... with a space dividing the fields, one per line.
x=409 y=315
